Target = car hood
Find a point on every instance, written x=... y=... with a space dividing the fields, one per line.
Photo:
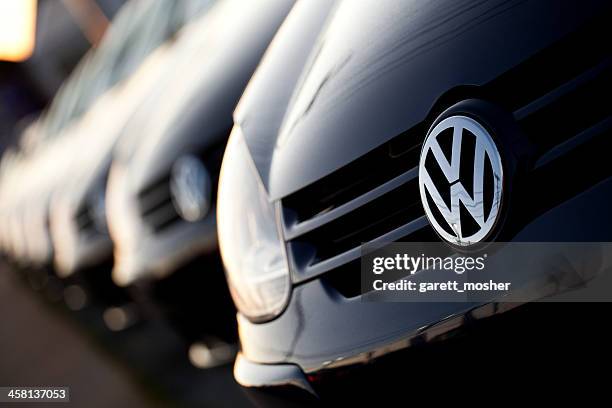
x=341 y=79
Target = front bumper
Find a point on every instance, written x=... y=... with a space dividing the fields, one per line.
x=321 y=330
x=531 y=340
x=157 y=256
x=76 y=248
x=377 y=368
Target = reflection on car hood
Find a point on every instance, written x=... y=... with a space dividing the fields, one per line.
x=341 y=80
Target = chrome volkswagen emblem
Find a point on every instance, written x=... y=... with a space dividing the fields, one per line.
x=461 y=180
x=190 y=187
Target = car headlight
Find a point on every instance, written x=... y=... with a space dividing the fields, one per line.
x=252 y=250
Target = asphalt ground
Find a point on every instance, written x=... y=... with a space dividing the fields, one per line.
x=43 y=343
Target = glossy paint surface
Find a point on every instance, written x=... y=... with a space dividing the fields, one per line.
x=343 y=79
x=322 y=329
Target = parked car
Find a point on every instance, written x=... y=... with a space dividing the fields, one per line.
x=328 y=151
x=82 y=247
x=138 y=29
x=77 y=210
x=162 y=183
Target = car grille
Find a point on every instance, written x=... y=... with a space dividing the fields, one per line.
x=560 y=100
x=574 y=147
x=155 y=203
x=560 y=103
x=326 y=222
x=155 y=200
x=84 y=220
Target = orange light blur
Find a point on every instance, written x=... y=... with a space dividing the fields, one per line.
x=17 y=29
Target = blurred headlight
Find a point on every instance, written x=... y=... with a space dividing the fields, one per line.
x=251 y=247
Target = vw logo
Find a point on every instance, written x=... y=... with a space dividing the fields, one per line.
x=461 y=180
x=190 y=188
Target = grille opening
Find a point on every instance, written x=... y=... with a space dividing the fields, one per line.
x=170 y=216
x=364 y=224
x=573 y=173
x=346 y=279
x=570 y=114
x=156 y=205
x=553 y=66
x=156 y=195
x=84 y=220
x=382 y=164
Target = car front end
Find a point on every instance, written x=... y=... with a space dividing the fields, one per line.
x=334 y=159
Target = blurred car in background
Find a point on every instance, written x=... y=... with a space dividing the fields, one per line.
x=170 y=108
x=138 y=29
x=162 y=184
x=326 y=154
x=77 y=212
